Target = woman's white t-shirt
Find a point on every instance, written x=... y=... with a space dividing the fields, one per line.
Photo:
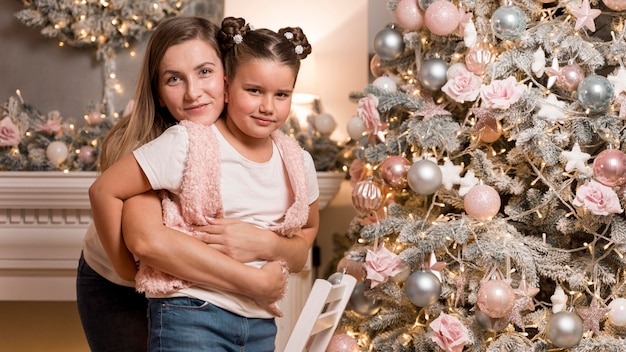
x=257 y=193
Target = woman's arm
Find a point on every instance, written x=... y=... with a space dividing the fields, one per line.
x=119 y=182
x=245 y=242
x=190 y=259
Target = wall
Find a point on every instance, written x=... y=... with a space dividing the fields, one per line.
x=67 y=79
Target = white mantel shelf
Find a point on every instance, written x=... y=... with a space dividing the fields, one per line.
x=43 y=217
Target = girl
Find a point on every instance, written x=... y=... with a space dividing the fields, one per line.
x=264 y=182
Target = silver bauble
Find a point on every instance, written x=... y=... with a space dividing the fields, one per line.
x=389 y=44
x=595 y=93
x=361 y=304
x=423 y=4
x=565 y=329
x=433 y=73
x=508 y=22
x=424 y=177
x=423 y=288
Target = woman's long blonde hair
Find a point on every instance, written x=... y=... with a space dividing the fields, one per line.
x=148 y=118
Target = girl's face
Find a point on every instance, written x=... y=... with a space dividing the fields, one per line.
x=191 y=82
x=259 y=98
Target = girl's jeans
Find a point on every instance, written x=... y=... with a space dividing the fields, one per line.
x=114 y=317
x=189 y=324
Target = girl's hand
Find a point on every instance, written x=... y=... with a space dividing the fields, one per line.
x=237 y=239
x=273 y=285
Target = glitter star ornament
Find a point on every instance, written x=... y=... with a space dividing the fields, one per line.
x=585 y=16
x=618 y=81
x=539 y=62
x=552 y=109
x=467 y=182
x=592 y=315
x=451 y=174
x=576 y=159
x=431 y=109
x=552 y=72
x=558 y=299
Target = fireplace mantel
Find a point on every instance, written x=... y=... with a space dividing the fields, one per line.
x=43 y=217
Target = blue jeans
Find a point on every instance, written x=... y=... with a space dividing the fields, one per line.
x=192 y=325
x=114 y=317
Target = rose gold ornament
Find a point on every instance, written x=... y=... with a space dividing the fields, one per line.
x=375 y=66
x=569 y=77
x=367 y=196
x=479 y=56
x=546 y=1
x=482 y=202
x=489 y=135
x=616 y=5
x=409 y=15
x=495 y=298
x=393 y=171
x=609 y=167
x=442 y=17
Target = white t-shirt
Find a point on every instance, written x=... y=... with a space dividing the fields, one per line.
x=252 y=192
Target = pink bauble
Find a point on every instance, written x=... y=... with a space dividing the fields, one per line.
x=442 y=17
x=495 y=298
x=409 y=15
x=393 y=171
x=94 y=118
x=86 y=154
x=616 y=5
x=479 y=56
x=352 y=268
x=342 y=343
x=609 y=167
x=569 y=77
x=367 y=196
x=482 y=202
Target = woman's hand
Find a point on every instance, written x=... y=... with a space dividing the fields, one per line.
x=273 y=285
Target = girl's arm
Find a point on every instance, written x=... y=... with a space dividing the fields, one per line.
x=119 y=182
x=245 y=242
x=190 y=259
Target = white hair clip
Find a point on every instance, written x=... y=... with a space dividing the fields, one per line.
x=237 y=38
x=251 y=27
x=288 y=35
x=299 y=49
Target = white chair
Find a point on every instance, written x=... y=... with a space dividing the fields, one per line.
x=320 y=315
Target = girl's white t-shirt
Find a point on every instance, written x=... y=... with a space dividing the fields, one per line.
x=257 y=193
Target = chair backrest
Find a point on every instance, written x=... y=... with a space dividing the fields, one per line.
x=320 y=315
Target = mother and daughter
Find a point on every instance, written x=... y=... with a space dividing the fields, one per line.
x=235 y=207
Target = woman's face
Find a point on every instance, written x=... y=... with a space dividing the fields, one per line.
x=259 y=97
x=191 y=82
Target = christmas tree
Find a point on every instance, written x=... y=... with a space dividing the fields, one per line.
x=488 y=179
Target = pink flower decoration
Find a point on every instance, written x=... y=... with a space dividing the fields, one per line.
x=382 y=264
x=52 y=127
x=501 y=94
x=463 y=85
x=368 y=112
x=449 y=333
x=597 y=198
x=9 y=133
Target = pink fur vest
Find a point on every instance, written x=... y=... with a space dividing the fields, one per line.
x=200 y=197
